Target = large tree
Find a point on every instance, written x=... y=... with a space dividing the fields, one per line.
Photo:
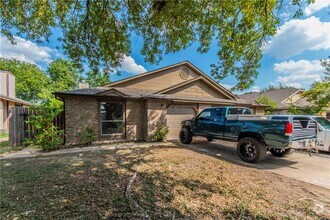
x=271 y=104
x=30 y=80
x=319 y=93
x=64 y=75
x=98 y=32
x=95 y=78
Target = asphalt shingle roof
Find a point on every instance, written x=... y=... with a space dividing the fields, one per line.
x=277 y=95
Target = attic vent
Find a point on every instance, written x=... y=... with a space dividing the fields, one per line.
x=184 y=73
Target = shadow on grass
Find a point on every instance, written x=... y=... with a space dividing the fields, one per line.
x=91 y=185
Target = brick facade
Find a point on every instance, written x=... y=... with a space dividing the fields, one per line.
x=142 y=118
x=156 y=116
x=80 y=112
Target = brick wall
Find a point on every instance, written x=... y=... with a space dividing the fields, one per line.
x=156 y=116
x=80 y=112
x=136 y=120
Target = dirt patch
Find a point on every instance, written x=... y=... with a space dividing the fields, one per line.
x=172 y=182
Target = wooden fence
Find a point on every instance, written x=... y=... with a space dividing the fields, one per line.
x=19 y=129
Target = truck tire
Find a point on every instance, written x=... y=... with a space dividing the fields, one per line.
x=280 y=152
x=251 y=150
x=209 y=139
x=185 y=136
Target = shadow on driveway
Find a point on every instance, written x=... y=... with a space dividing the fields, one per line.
x=298 y=165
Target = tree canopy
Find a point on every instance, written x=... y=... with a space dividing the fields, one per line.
x=30 y=80
x=267 y=101
x=98 y=32
x=63 y=74
x=34 y=84
x=319 y=93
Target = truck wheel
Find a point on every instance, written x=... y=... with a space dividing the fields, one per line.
x=185 y=136
x=209 y=139
x=251 y=150
x=280 y=152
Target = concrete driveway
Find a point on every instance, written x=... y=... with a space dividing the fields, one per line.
x=298 y=165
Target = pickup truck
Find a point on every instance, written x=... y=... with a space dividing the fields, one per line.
x=323 y=128
x=255 y=134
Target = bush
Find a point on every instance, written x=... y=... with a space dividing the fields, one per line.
x=46 y=135
x=161 y=133
x=86 y=136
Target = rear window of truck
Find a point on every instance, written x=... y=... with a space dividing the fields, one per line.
x=239 y=111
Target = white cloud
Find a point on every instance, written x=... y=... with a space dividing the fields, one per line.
x=295 y=36
x=299 y=74
x=25 y=50
x=256 y=89
x=227 y=86
x=129 y=65
x=316 y=6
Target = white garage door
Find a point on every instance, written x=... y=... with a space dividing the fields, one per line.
x=176 y=114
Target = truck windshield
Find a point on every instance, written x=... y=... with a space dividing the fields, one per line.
x=325 y=123
x=239 y=111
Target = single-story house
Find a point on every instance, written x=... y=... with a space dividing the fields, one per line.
x=285 y=98
x=8 y=98
x=133 y=108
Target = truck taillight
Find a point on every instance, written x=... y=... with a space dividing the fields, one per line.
x=288 y=129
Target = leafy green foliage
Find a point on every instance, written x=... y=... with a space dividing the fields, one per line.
x=47 y=136
x=99 y=32
x=326 y=64
x=94 y=78
x=86 y=136
x=63 y=75
x=295 y=110
x=319 y=93
x=30 y=80
x=275 y=87
x=35 y=85
x=161 y=133
x=267 y=101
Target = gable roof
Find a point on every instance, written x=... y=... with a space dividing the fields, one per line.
x=277 y=95
x=206 y=78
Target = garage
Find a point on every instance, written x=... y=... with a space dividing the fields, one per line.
x=176 y=114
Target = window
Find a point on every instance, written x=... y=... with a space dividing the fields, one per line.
x=219 y=114
x=325 y=123
x=239 y=111
x=280 y=118
x=112 y=118
x=205 y=115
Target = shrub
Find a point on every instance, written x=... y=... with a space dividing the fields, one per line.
x=45 y=135
x=86 y=136
x=161 y=133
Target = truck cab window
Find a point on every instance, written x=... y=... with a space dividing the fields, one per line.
x=205 y=115
x=219 y=114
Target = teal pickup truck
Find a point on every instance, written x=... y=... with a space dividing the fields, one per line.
x=255 y=134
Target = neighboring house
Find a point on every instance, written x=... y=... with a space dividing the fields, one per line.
x=8 y=98
x=135 y=107
x=285 y=98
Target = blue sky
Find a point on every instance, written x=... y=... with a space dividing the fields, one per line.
x=291 y=57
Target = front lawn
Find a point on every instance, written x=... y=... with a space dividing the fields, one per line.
x=171 y=183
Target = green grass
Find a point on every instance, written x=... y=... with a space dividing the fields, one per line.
x=5 y=149
x=3 y=135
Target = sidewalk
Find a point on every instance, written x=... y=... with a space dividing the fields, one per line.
x=31 y=152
